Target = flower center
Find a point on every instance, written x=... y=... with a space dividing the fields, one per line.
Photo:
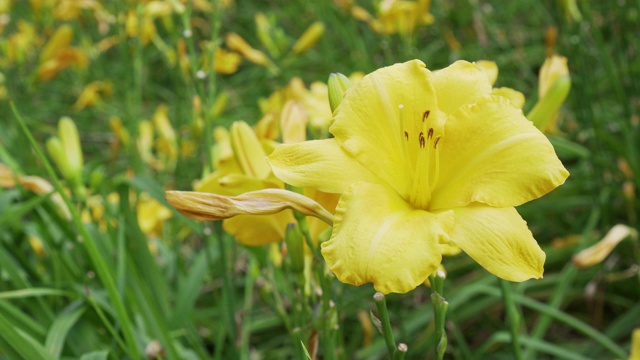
x=421 y=135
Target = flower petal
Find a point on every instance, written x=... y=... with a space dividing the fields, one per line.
x=459 y=84
x=319 y=164
x=371 y=122
x=500 y=241
x=255 y=230
x=492 y=154
x=379 y=238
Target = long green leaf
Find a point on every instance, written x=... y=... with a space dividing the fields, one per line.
x=22 y=343
x=59 y=330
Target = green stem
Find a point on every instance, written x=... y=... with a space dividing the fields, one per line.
x=90 y=246
x=227 y=290
x=513 y=315
x=400 y=352
x=383 y=314
x=440 y=306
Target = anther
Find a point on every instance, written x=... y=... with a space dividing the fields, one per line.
x=421 y=139
x=406 y=135
x=430 y=134
x=435 y=143
x=425 y=115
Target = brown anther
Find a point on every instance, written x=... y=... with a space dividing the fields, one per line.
x=406 y=135
x=430 y=134
x=435 y=143
x=425 y=115
x=421 y=139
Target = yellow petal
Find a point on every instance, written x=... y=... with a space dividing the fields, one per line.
x=370 y=122
x=490 y=69
x=515 y=96
x=381 y=239
x=206 y=206
x=248 y=151
x=459 y=84
x=500 y=241
x=494 y=155
x=595 y=254
x=319 y=164
x=255 y=230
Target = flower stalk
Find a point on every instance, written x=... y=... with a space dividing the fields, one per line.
x=440 y=307
x=383 y=313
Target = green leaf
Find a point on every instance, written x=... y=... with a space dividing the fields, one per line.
x=95 y=355
x=60 y=328
x=21 y=343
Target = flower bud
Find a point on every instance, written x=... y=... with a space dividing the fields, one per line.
x=68 y=133
x=248 y=151
x=598 y=252
x=309 y=38
x=554 y=86
x=338 y=85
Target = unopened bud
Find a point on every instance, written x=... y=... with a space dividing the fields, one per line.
x=309 y=38
x=338 y=85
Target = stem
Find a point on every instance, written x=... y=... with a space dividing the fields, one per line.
x=440 y=306
x=513 y=315
x=383 y=313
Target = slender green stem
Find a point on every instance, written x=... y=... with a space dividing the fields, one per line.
x=228 y=295
x=383 y=314
x=440 y=307
x=513 y=315
x=89 y=244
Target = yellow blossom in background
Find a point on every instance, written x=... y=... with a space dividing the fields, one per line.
x=92 y=94
x=554 y=84
x=635 y=345
x=596 y=253
x=21 y=44
x=226 y=62
x=237 y=43
x=151 y=215
x=57 y=54
x=422 y=159
x=309 y=38
x=9 y=179
x=401 y=16
x=166 y=143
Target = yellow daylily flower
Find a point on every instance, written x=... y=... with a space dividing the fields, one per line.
x=401 y=16
x=424 y=159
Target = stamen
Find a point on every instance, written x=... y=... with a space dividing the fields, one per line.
x=406 y=135
x=421 y=139
x=425 y=115
x=430 y=134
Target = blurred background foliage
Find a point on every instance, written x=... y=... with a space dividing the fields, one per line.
x=138 y=81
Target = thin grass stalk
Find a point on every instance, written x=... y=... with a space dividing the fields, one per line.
x=89 y=244
x=513 y=316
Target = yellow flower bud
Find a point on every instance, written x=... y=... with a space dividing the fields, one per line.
x=68 y=133
x=208 y=206
x=338 y=85
x=598 y=252
x=248 y=151
x=554 y=87
x=309 y=38
x=237 y=43
x=59 y=41
x=36 y=245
